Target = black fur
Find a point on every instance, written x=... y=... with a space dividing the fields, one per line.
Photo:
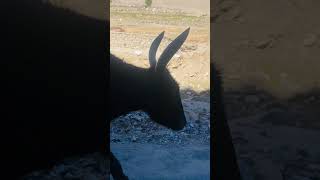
x=53 y=85
x=133 y=88
x=157 y=93
x=223 y=151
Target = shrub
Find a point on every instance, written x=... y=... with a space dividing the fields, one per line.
x=148 y=3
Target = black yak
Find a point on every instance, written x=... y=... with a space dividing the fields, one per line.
x=53 y=85
x=223 y=150
x=152 y=90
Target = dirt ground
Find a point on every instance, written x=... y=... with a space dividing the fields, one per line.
x=273 y=45
x=269 y=54
x=133 y=30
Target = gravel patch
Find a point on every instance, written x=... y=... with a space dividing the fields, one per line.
x=137 y=127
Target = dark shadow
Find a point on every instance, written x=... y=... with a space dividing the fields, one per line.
x=251 y=111
x=54 y=80
x=302 y=109
x=225 y=163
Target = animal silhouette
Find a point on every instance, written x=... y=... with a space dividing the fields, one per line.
x=223 y=151
x=152 y=90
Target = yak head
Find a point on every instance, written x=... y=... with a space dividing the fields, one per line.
x=164 y=102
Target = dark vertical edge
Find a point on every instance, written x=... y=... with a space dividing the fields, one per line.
x=107 y=50
x=211 y=90
x=223 y=164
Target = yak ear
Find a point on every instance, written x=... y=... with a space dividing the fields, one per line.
x=153 y=51
x=170 y=50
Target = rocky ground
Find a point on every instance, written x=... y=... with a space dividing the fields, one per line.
x=256 y=44
x=271 y=46
x=275 y=139
x=89 y=167
x=150 y=151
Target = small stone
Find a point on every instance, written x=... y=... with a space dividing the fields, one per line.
x=134 y=139
x=310 y=40
x=138 y=52
x=284 y=75
x=264 y=44
x=177 y=56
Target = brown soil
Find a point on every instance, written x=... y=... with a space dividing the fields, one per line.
x=133 y=29
x=273 y=45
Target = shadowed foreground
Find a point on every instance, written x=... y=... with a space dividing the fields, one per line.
x=153 y=162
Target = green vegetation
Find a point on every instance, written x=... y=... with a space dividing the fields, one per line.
x=148 y=3
x=159 y=17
